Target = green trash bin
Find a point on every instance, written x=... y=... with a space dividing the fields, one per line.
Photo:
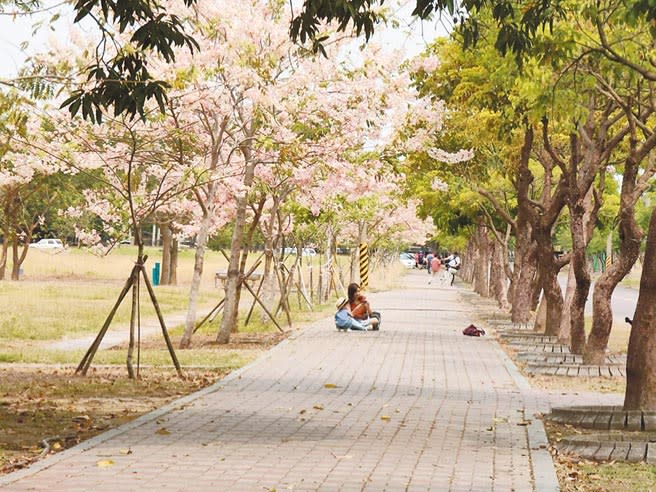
x=156 y=274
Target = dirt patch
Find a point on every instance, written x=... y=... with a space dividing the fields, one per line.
x=577 y=384
x=238 y=341
x=44 y=410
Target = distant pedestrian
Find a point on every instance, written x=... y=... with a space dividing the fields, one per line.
x=429 y=259
x=453 y=263
x=435 y=267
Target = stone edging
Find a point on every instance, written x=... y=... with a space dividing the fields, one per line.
x=544 y=473
x=574 y=370
x=604 y=417
x=632 y=448
x=543 y=355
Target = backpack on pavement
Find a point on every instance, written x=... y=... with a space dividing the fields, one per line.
x=472 y=331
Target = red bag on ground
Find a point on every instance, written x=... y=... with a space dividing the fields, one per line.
x=472 y=331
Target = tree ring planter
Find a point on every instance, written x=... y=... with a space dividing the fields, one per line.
x=499 y=323
x=527 y=338
x=574 y=369
x=551 y=359
x=629 y=447
x=604 y=418
x=515 y=329
x=552 y=348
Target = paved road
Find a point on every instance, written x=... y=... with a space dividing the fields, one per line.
x=414 y=407
x=623 y=301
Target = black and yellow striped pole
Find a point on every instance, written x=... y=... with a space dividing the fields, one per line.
x=364 y=266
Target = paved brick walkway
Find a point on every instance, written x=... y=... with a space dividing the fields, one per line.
x=414 y=407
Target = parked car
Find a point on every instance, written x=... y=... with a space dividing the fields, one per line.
x=407 y=259
x=48 y=244
x=309 y=252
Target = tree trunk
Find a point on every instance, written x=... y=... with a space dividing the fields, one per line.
x=194 y=289
x=173 y=269
x=482 y=262
x=499 y=281
x=19 y=258
x=579 y=265
x=548 y=271
x=165 y=270
x=564 y=332
x=630 y=237
x=554 y=297
x=523 y=280
x=540 y=325
x=233 y=280
x=641 y=358
x=3 y=257
x=602 y=313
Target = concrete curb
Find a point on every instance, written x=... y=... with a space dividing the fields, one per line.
x=544 y=473
x=143 y=419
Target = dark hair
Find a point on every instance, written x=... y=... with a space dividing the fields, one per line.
x=352 y=290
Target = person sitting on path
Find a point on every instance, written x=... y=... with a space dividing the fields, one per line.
x=344 y=320
x=360 y=307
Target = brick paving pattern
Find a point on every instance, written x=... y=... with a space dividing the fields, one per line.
x=414 y=407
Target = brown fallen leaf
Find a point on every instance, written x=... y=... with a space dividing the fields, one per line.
x=330 y=385
x=163 y=431
x=318 y=406
x=385 y=417
x=524 y=422
x=125 y=451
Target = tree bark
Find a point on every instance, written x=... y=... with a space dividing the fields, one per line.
x=167 y=237
x=523 y=281
x=19 y=257
x=552 y=292
x=3 y=257
x=564 y=332
x=173 y=269
x=641 y=358
x=540 y=325
x=602 y=317
x=630 y=237
x=233 y=280
x=199 y=261
x=499 y=281
x=482 y=261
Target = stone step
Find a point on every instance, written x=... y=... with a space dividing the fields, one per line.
x=611 y=447
x=575 y=370
x=564 y=358
x=527 y=339
x=556 y=348
x=608 y=417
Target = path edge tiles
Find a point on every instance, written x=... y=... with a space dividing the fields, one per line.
x=544 y=472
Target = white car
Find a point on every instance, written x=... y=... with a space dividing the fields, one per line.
x=309 y=252
x=48 y=244
x=407 y=260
